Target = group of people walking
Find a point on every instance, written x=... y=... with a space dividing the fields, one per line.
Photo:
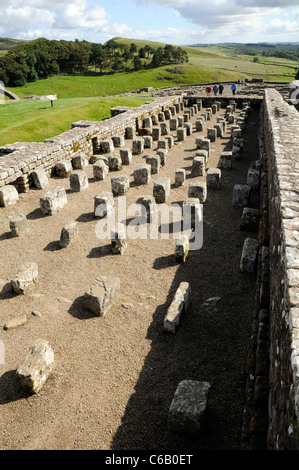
x=218 y=89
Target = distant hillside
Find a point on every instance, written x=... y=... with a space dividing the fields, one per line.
x=7 y=43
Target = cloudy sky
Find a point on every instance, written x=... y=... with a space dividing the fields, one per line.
x=179 y=22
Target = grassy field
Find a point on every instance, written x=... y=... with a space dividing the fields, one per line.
x=91 y=97
x=35 y=120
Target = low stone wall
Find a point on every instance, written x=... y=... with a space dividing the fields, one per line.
x=281 y=124
x=18 y=160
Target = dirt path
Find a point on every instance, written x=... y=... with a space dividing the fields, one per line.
x=115 y=376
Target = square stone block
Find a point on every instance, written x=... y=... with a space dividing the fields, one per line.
x=198 y=190
x=249 y=255
x=53 y=200
x=226 y=160
x=241 y=195
x=198 y=166
x=100 y=170
x=212 y=134
x=213 y=178
x=202 y=144
x=188 y=408
x=138 y=146
x=156 y=133
x=102 y=294
x=103 y=204
x=118 y=141
x=161 y=190
x=26 y=278
x=126 y=156
x=120 y=185
x=63 y=169
x=162 y=155
x=78 y=181
x=68 y=234
x=115 y=163
x=107 y=146
x=149 y=203
x=181 y=134
x=19 y=225
x=80 y=161
x=164 y=126
x=148 y=141
x=250 y=219
x=180 y=176
x=8 y=195
x=154 y=162
x=40 y=178
x=142 y=174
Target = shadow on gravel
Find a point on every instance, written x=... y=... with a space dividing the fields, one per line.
x=211 y=344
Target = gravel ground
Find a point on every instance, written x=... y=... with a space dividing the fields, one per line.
x=115 y=376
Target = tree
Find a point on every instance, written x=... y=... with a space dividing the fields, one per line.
x=137 y=63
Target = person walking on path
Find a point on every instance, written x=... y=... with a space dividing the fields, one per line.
x=215 y=89
x=208 y=90
x=234 y=88
x=221 y=88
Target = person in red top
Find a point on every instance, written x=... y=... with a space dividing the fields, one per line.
x=208 y=90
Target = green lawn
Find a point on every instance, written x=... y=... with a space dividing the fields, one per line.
x=35 y=120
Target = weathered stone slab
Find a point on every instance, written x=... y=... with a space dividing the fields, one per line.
x=80 y=161
x=118 y=244
x=120 y=185
x=204 y=154
x=148 y=141
x=180 y=176
x=164 y=126
x=253 y=178
x=68 y=234
x=100 y=170
x=37 y=366
x=150 y=206
x=161 y=190
x=8 y=195
x=103 y=204
x=198 y=189
x=126 y=156
x=138 y=146
x=19 y=225
x=154 y=162
x=213 y=178
x=249 y=255
x=178 y=307
x=63 y=169
x=40 y=178
x=250 y=219
x=181 y=134
x=212 y=134
x=241 y=195
x=115 y=163
x=26 y=278
x=188 y=408
x=118 y=141
x=198 y=166
x=15 y=322
x=107 y=146
x=142 y=174
x=226 y=160
x=203 y=144
x=156 y=133
x=101 y=294
x=162 y=154
x=191 y=212
x=78 y=181
x=53 y=200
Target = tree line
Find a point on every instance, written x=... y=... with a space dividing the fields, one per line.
x=41 y=58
